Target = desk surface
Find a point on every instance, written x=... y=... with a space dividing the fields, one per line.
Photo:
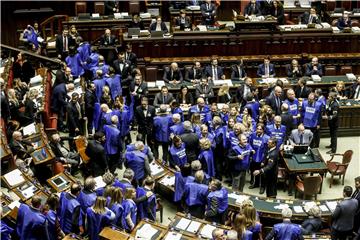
x=293 y=165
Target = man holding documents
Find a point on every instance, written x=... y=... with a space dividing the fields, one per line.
x=314 y=68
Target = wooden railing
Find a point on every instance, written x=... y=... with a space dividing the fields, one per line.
x=55 y=23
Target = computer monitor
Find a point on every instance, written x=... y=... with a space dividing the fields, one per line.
x=133 y=32
x=300 y=149
x=156 y=34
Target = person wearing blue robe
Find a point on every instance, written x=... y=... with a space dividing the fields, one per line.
x=224 y=116
x=99 y=82
x=92 y=61
x=31 y=223
x=178 y=127
x=220 y=146
x=74 y=62
x=105 y=116
x=206 y=157
x=258 y=142
x=204 y=133
x=129 y=216
x=113 y=143
x=87 y=196
x=195 y=194
x=84 y=50
x=311 y=113
x=181 y=178
x=115 y=205
x=256 y=230
x=146 y=209
x=202 y=109
x=6 y=231
x=52 y=217
x=233 y=137
x=162 y=124
x=293 y=104
x=31 y=36
x=277 y=130
x=138 y=162
x=177 y=153
x=114 y=83
x=98 y=216
x=254 y=105
x=175 y=108
x=217 y=202
x=71 y=215
x=240 y=156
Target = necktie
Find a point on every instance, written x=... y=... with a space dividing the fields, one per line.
x=164 y=100
x=355 y=194
x=207 y=6
x=214 y=73
x=239 y=69
x=310 y=19
x=65 y=44
x=109 y=40
x=301 y=139
x=266 y=70
x=172 y=75
x=194 y=73
x=277 y=103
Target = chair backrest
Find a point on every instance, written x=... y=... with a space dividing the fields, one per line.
x=312 y=185
x=330 y=70
x=80 y=7
x=347 y=157
x=99 y=7
x=345 y=69
x=134 y=7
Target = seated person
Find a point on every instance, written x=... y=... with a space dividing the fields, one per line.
x=238 y=71
x=252 y=8
x=266 y=69
x=195 y=73
x=301 y=90
x=278 y=11
x=136 y=22
x=204 y=90
x=159 y=25
x=61 y=152
x=185 y=98
x=266 y=6
x=344 y=21
x=355 y=89
x=173 y=74
x=214 y=71
x=163 y=97
x=340 y=90
x=208 y=12
x=313 y=223
x=293 y=70
x=301 y=136
x=314 y=68
x=182 y=21
x=108 y=39
x=309 y=17
x=18 y=145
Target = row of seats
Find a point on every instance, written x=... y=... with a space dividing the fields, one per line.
x=99 y=7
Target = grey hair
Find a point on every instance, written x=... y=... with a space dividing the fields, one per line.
x=286 y=213
x=128 y=174
x=187 y=126
x=315 y=211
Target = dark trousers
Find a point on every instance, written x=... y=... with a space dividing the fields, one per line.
x=90 y=119
x=238 y=180
x=219 y=154
x=316 y=138
x=270 y=184
x=197 y=211
x=341 y=235
x=113 y=161
x=219 y=218
x=255 y=180
x=165 y=150
x=148 y=138
x=60 y=120
x=333 y=137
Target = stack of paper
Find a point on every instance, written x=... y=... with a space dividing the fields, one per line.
x=331 y=205
x=304 y=3
x=324 y=208
x=99 y=182
x=193 y=8
x=146 y=232
x=355 y=29
x=309 y=205
x=145 y=15
x=183 y=224
x=193 y=227
x=335 y=29
x=351 y=76
x=35 y=81
x=238 y=198
x=155 y=169
x=168 y=181
x=14 y=204
x=151 y=84
x=316 y=78
x=281 y=206
x=206 y=231
x=160 y=83
x=14 y=177
x=298 y=209
x=173 y=236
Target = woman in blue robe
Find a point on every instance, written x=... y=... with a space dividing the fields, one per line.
x=53 y=220
x=115 y=205
x=206 y=157
x=147 y=208
x=240 y=227
x=252 y=224
x=181 y=178
x=177 y=153
x=128 y=219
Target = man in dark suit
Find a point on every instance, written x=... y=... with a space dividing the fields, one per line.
x=286 y=119
x=274 y=100
x=314 y=68
x=266 y=7
x=252 y=8
x=214 y=71
x=163 y=97
x=111 y=7
x=356 y=195
x=355 y=89
x=204 y=90
x=343 y=216
x=18 y=146
x=191 y=141
x=5 y=110
x=130 y=56
x=74 y=117
x=266 y=69
x=344 y=21
x=173 y=74
x=62 y=153
x=59 y=99
x=293 y=70
x=310 y=17
x=208 y=12
x=63 y=43
x=90 y=100
x=301 y=90
x=238 y=71
x=123 y=67
x=144 y=115
x=159 y=25
x=96 y=152
x=108 y=39
x=332 y=115
x=194 y=74
x=243 y=91
x=138 y=89
x=183 y=21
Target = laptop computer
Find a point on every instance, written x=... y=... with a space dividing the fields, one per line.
x=156 y=34
x=300 y=149
x=133 y=32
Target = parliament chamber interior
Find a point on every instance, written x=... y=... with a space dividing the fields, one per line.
x=180 y=120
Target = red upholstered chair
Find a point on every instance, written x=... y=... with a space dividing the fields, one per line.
x=80 y=7
x=310 y=186
x=345 y=69
x=337 y=168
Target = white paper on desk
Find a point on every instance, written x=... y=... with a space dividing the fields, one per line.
x=238 y=198
x=99 y=182
x=228 y=82
x=220 y=105
x=281 y=206
x=117 y=15
x=183 y=224
x=324 y=208
x=168 y=181
x=155 y=169
x=95 y=15
x=29 y=192
x=146 y=232
x=173 y=236
x=350 y=76
x=151 y=84
x=36 y=80
x=298 y=209
x=124 y=14
x=316 y=78
x=193 y=227
x=207 y=230
x=14 y=177
x=145 y=15
x=309 y=205
x=160 y=83
x=202 y=28
x=325 y=25
x=331 y=205
x=29 y=129
x=2 y=69
x=218 y=82
x=14 y=204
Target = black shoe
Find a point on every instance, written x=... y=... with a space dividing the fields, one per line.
x=262 y=190
x=253 y=186
x=330 y=152
x=328 y=146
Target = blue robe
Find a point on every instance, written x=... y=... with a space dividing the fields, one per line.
x=125 y=118
x=129 y=208
x=96 y=116
x=278 y=133
x=136 y=161
x=311 y=114
x=286 y=231
x=179 y=111
x=177 y=129
x=123 y=185
x=31 y=37
x=68 y=204
x=195 y=193
x=244 y=164
x=180 y=182
x=259 y=144
x=52 y=217
x=239 y=119
x=104 y=68
x=99 y=84
x=247 y=235
x=178 y=155
x=146 y=209
x=105 y=119
x=224 y=117
x=162 y=128
x=254 y=106
x=118 y=210
x=131 y=147
x=114 y=83
x=92 y=61
x=222 y=199
x=96 y=222
x=5 y=231
x=256 y=229
x=205 y=114
x=86 y=199
x=220 y=133
x=31 y=224
x=233 y=139
x=74 y=63
x=209 y=136
x=113 y=140
x=293 y=109
x=84 y=52
x=206 y=158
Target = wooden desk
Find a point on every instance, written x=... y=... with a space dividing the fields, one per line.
x=61 y=182
x=113 y=234
x=248 y=25
x=160 y=233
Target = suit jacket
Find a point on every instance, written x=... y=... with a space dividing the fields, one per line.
x=240 y=92
x=235 y=75
x=30 y=109
x=163 y=26
x=55 y=148
x=98 y=159
x=186 y=24
x=170 y=75
x=279 y=15
x=288 y=122
x=125 y=73
x=132 y=58
x=208 y=15
x=139 y=24
x=109 y=7
x=341 y=23
x=73 y=115
x=266 y=7
x=5 y=109
x=19 y=151
x=188 y=98
x=209 y=92
x=90 y=99
x=145 y=123
x=141 y=91
x=24 y=72
x=295 y=137
x=252 y=9
x=159 y=99
x=59 y=97
x=271 y=101
x=305 y=19
x=343 y=216
x=304 y=93
x=261 y=70
x=189 y=74
x=191 y=141
x=353 y=90
x=291 y=74
x=310 y=71
x=105 y=41
x=209 y=72
x=59 y=43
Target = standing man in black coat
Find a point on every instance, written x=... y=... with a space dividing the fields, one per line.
x=242 y=92
x=59 y=99
x=287 y=119
x=5 y=110
x=123 y=68
x=270 y=169
x=130 y=56
x=63 y=43
x=274 y=100
x=74 y=118
x=90 y=100
x=191 y=141
x=96 y=152
x=332 y=113
x=144 y=115
x=238 y=71
x=138 y=88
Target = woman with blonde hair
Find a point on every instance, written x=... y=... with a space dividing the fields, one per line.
x=240 y=227
x=196 y=122
x=246 y=119
x=206 y=157
x=251 y=222
x=21 y=88
x=128 y=219
x=224 y=94
x=31 y=105
x=115 y=205
x=340 y=90
x=106 y=96
x=98 y=217
x=15 y=105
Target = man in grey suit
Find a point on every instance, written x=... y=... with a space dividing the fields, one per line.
x=343 y=216
x=164 y=97
x=204 y=90
x=301 y=136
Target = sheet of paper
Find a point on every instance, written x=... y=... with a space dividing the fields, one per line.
x=146 y=232
x=99 y=182
x=14 y=177
x=168 y=181
x=207 y=230
x=29 y=129
x=298 y=209
x=309 y=205
x=29 y=192
x=323 y=208
x=238 y=198
x=331 y=205
x=155 y=169
x=173 y=236
x=36 y=80
x=183 y=224
x=193 y=227
x=14 y=204
x=281 y=206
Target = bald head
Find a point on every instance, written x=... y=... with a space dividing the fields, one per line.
x=278 y=91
